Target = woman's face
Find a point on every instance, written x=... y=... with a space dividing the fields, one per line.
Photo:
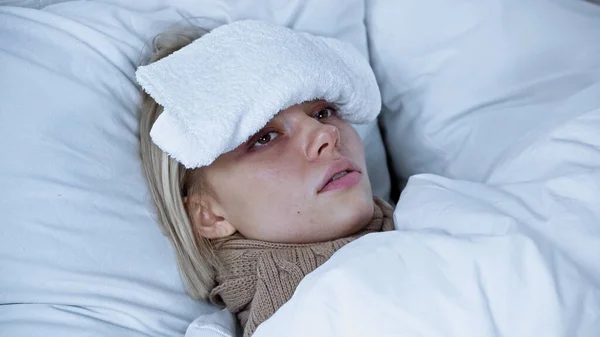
x=301 y=179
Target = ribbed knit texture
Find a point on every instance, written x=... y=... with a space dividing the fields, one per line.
x=258 y=277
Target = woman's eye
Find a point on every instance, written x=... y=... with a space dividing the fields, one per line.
x=324 y=113
x=265 y=139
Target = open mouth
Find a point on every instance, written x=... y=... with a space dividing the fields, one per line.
x=342 y=174
x=339 y=175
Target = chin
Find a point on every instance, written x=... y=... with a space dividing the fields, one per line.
x=353 y=213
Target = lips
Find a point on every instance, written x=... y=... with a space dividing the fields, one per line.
x=340 y=174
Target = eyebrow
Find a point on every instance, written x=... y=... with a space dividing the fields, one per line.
x=317 y=102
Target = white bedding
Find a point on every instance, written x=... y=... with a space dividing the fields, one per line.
x=503 y=259
x=80 y=253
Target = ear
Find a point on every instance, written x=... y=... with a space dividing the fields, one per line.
x=207 y=217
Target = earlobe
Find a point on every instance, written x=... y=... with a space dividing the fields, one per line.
x=214 y=226
x=206 y=220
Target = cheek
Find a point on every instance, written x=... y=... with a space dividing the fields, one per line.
x=265 y=179
x=280 y=181
x=352 y=144
x=265 y=192
x=266 y=174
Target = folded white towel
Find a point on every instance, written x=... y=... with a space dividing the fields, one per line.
x=224 y=87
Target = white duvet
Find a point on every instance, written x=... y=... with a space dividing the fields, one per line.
x=506 y=258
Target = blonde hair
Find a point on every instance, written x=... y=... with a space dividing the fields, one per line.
x=169 y=182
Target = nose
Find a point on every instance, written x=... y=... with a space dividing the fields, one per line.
x=323 y=140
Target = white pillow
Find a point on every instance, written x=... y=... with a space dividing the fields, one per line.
x=468 y=82
x=80 y=251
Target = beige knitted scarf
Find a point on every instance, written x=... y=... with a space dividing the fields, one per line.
x=257 y=277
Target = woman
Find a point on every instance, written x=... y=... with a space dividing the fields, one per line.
x=249 y=226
